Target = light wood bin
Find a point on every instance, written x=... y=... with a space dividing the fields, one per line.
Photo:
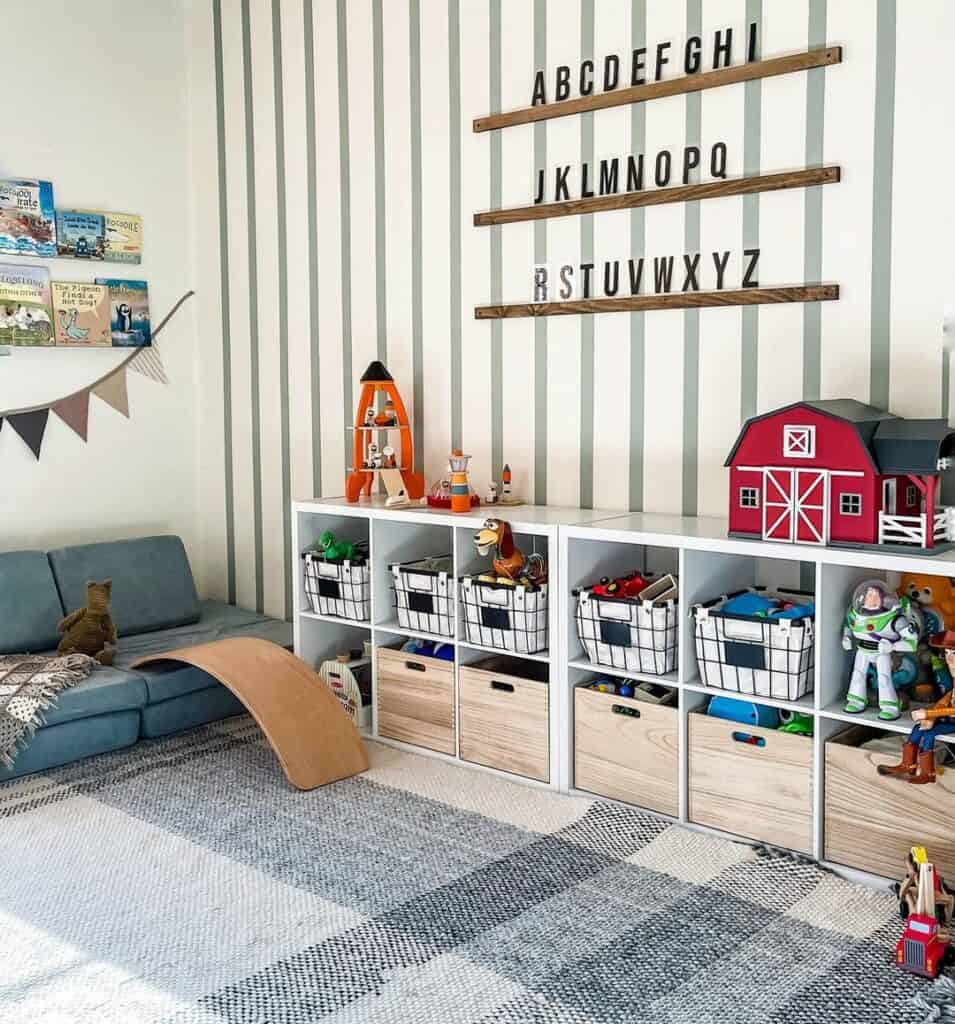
x=416 y=700
x=764 y=792
x=632 y=757
x=872 y=820
x=505 y=722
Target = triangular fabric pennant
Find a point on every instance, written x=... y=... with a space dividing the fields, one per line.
x=112 y=391
x=31 y=426
x=148 y=362
x=75 y=412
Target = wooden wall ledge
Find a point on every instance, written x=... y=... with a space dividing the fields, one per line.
x=803 y=61
x=678 y=300
x=662 y=196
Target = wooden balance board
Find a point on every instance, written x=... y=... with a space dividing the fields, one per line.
x=312 y=735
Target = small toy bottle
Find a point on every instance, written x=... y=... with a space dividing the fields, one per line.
x=506 y=482
x=460 y=488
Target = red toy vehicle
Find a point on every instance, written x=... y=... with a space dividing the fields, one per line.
x=924 y=946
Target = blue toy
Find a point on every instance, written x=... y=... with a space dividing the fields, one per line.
x=743 y=711
x=625 y=689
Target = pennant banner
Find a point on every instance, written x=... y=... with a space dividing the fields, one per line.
x=75 y=412
x=148 y=362
x=31 y=426
x=113 y=392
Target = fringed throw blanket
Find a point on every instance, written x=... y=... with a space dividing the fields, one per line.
x=29 y=684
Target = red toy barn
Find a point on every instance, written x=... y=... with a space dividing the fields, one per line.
x=839 y=472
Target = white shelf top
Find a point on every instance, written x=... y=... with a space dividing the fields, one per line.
x=543 y=658
x=583 y=665
x=803 y=704
x=523 y=518
x=709 y=533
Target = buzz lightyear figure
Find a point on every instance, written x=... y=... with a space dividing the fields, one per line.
x=880 y=623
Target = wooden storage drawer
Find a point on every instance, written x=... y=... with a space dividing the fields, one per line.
x=505 y=722
x=627 y=756
x=416 y=699
x=872 y=820
x=761 y=791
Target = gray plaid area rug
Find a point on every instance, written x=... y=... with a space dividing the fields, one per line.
x=182 y=881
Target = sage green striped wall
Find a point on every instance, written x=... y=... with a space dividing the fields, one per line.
x=340 y=173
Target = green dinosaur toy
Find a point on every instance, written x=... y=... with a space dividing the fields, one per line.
x=339 y=551
x=90 y=630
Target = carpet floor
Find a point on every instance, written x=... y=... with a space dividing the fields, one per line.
x=183 y=881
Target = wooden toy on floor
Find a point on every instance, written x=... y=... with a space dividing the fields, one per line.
x=926 y=906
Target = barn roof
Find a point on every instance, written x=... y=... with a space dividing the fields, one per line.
x=893 y=444
x=912 y=446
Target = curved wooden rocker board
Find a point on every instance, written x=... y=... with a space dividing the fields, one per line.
x=312 y=735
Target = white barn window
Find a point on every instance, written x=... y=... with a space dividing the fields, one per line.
x=748 y=497
x=799 y=442
x=850 y=504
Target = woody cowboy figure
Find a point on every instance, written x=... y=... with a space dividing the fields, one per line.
x=918 y=753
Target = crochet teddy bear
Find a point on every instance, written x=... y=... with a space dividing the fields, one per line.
x=90 y=630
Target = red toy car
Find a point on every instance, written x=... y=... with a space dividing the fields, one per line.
x=921 y=950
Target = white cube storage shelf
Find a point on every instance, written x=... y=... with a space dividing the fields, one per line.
x=667 y=760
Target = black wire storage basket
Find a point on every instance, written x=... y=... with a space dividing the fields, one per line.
x=504 y=617
x=424 y=595
x=755 y=655
x=627 y=633
x=339 y=589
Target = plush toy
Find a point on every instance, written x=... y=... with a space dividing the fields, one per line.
x=90 y=630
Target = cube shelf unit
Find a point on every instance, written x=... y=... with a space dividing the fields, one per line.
x=407 y=534
x=811 y=795
x=819 y=796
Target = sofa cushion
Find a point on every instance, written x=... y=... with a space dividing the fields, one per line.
x=152 y=582
x=70 y=741
x=216 y=622
x=106 y=690
x=29 y=603
x=188 y=711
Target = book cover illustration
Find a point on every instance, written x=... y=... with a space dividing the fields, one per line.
x=81 y=314
x=124 y=238
x=27 y=218
x=128 y=312
x=26 y=317
x=81 y=234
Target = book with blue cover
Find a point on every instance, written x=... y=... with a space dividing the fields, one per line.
x=81 y=234
x=128 y=312
x=27 y=217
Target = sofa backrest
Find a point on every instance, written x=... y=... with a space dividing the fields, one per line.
x=29 y=603
x=153 y=586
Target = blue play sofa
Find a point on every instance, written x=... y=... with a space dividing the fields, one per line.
x=155 y=608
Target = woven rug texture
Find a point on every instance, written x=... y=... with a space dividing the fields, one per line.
x=182 y=881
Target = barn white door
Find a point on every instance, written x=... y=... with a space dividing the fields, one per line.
x=795 y=505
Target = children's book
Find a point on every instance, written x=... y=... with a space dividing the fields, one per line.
x=128 y=312
x=26 y=317
x=81 y=234
x=124 y=238
x=81 y=313
x=27 y=218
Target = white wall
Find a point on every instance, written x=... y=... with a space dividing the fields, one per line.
x=96 y=101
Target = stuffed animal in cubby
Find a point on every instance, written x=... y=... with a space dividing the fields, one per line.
x=91 y=630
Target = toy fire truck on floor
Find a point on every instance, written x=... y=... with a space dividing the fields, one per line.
x=843 y=473
x=926 y=907
x=397 y=474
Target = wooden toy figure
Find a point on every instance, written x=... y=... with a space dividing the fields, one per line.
x=878 y=623
x=460 y=487
x=918 y=753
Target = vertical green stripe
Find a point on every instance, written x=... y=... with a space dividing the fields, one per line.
x=946 y=386
x=417 y=316
x=253 y=306
x=282 y=226
x=540 y=256
x=381 y=318
x=638 y=138
x=454 y=212
x=587 y=256
x=691 y=317
x=224 y=301
x=497 y=326
x=752 y=115
x=311 y=186
x=344 y=171
x=884 y=140
x=812 y=257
